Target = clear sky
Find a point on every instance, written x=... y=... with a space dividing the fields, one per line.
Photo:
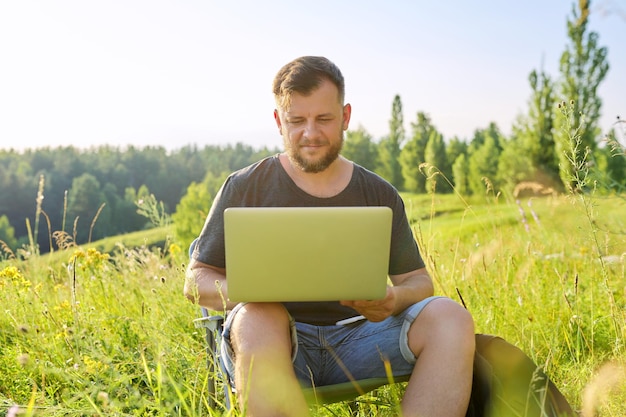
x=177 y=72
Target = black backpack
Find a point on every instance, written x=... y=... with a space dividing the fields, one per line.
x=507 y=383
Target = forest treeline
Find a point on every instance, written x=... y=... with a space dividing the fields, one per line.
x=555 y=146
x=67 y=189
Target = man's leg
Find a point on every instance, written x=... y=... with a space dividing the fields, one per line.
x=264 y=376
x=442 y=339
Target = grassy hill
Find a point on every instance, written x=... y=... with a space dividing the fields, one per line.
x=104 y=329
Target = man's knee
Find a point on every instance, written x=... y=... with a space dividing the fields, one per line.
x=442 y=321
x=256 y=323
x=455 y=316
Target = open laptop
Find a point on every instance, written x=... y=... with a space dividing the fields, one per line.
x=307 y=254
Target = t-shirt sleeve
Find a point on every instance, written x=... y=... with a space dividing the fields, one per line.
x=210 y=245
x=404 y=255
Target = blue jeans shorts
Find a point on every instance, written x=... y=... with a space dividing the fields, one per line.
x=325 y=355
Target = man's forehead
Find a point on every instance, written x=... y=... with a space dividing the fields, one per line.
x=325 y=91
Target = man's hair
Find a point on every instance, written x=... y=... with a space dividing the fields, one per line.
x=303 y=75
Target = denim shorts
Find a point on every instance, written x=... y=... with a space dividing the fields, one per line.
x=325 y=355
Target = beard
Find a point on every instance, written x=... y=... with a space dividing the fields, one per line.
x=312 y=165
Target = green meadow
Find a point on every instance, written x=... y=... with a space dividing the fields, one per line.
x=105 y=330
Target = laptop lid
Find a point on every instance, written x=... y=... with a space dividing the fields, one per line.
x=285 y=254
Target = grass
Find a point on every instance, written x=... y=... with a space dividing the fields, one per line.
x=554 y=288
x=105 y=330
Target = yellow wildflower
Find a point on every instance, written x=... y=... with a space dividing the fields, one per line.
x=13 y=275
x=92 y=366
x=64 y=306
x=174 y=249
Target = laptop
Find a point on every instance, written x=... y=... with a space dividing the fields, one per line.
x=285 y=254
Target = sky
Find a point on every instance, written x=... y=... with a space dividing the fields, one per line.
x=181 y=72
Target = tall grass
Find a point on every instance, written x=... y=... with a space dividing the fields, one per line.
x=86 y=332
x=546 y=289
x=98 y=334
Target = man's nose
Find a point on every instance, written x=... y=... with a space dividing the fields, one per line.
x=311 y=129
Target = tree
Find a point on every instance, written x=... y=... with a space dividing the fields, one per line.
x=455 y=148
x=583 y=67
x=514 y=165
x=459 y=174
x=359 y=148
x=389 y=149
x=610 y=163
x=480 y=137
x=412 y=155
x=535 y=133
x=84 y=201
x=19 y=182
x=483 y=165
x=7 y=235
x=127 y=218
x=530 y=154
x=194 y=207
x=435 y=157
x=616 y=148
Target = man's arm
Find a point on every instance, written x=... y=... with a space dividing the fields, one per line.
x=407 y=289
x=206 y=285
x=411 y=288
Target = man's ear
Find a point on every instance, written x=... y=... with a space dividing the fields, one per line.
x=277 y=120
x=347 y=112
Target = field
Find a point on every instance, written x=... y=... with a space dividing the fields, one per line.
x=105 y=330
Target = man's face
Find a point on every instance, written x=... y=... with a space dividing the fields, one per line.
x=312 y=127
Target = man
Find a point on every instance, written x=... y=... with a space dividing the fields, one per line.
x=269 y=349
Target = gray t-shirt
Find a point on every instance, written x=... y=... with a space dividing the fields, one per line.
x=266 y=184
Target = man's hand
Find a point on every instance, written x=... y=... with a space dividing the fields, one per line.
x=375 y=310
